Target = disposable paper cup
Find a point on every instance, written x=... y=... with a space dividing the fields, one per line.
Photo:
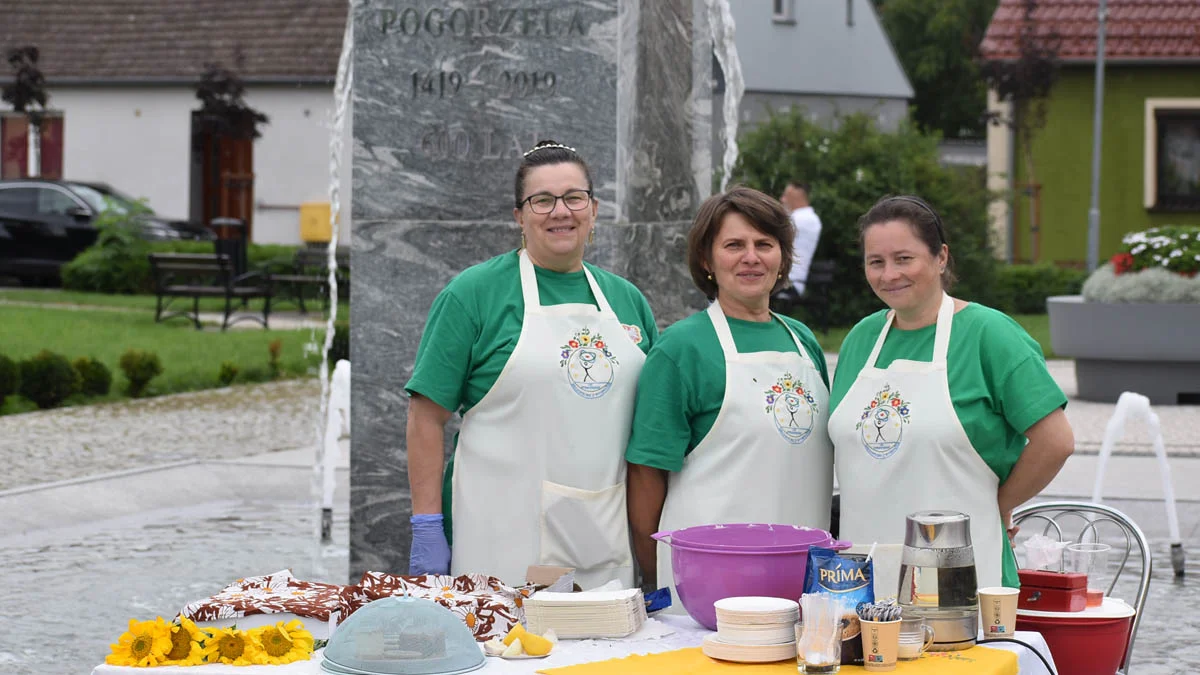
x=881 y=644
x=998 y=611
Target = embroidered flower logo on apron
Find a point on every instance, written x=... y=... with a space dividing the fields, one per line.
x=882 y=423
x=590 y=366
x=634 y=333
x=792 y=408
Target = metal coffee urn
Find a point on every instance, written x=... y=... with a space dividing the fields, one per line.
x=937 y=577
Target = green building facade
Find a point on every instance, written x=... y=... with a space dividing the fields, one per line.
x=1062 y=156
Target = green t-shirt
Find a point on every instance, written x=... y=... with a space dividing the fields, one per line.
x=476 y=320
x=999 y=384
x=682 y=384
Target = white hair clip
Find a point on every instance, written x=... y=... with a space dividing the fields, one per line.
x=551 y=145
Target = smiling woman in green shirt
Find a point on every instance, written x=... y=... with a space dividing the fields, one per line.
x=540 y=354
x=938 y=403
x=733 y=401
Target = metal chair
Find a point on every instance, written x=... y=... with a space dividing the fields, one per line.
x=1082 y=522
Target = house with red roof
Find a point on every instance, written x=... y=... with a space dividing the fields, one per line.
x=1150 y=158
x=122 y=78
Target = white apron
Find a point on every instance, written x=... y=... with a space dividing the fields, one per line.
x=767 y=458
x=901 y=448
x=539 y=470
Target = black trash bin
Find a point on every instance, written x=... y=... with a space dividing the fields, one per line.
x=231 y=241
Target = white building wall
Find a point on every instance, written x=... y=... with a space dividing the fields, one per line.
x=138 y=139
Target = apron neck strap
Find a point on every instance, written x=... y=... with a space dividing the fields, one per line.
x=721 y=325
x=529 y=286
x=941 y=336
x=725 y=336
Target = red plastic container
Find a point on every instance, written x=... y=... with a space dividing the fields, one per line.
x=1052 y=591
x=1082 y=646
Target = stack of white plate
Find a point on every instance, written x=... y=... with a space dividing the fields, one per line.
x=754 y=630
x=594 y=614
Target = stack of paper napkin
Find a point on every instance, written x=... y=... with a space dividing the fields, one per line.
x=591 y=614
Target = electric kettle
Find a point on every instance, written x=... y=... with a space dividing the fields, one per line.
x=937 y=577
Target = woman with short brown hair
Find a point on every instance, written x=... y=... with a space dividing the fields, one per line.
x=729 y=423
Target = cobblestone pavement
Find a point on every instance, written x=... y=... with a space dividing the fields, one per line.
x=77 y=442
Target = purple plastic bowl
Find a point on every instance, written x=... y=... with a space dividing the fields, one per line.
x=712 y=562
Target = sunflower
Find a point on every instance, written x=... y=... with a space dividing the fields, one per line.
x=146 y=643
x=186 y=649
x=232 y=646
x=281 y=643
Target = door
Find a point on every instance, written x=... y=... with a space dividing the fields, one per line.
x=222 y=178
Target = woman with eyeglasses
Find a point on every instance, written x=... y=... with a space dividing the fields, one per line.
x=730 y=422
x=939 y=403
x=540 y=353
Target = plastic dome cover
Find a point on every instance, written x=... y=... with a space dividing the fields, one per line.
x=402 y=636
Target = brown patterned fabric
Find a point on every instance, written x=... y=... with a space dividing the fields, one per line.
x=488 y=607
x=275 y=594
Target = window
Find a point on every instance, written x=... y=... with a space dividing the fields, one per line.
x=1179 y=160
x=781 y=11
x=55 y=202
x=14 y=146
x=18 y=201
x=1172 y=161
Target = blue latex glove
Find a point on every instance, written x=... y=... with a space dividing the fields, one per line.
x=430 y=553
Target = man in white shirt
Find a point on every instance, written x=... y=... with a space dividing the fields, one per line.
x=808 y=231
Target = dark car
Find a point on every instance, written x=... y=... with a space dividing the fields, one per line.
x=44 y=224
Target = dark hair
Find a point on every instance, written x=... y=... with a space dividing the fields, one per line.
x=803 y=185
x=545 y=153
x=920 y=216
x=764 y=212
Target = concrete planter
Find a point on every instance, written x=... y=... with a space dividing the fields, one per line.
x=1151 y=349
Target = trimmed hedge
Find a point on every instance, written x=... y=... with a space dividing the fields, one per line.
x=1023 y=289
x=117 y=262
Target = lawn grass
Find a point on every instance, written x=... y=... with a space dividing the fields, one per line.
x=191 y=359
x=54 y=296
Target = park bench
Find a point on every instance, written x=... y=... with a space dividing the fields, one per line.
x=310 y=271
x=205 y=275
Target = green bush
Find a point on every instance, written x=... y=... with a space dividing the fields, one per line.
x=10 y=377
x=1023 y=289
x=95 y=377
x=140 y=367
x=852 y=166
x=116 y=263
x=228 y=373
x=339 y=348
x=48 y=379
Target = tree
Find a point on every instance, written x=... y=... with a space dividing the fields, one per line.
x=27 y=95
x=1025 y=82
x=223 y=110
x=851 y=166
x=937 y=42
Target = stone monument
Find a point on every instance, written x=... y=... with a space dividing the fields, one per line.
x=447 y=96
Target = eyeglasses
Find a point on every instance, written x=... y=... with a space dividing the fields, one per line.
x=544 y=202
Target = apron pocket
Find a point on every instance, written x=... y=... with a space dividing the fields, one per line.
x=584 y=529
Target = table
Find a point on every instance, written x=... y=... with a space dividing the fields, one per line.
x=685 y=633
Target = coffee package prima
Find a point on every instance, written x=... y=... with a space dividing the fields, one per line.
x=850 y=578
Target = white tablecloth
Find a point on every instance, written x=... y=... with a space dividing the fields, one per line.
x=684 y=633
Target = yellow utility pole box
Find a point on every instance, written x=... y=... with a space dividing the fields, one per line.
x=314 y=222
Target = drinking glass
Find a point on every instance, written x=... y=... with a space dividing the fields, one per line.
x=1090 y=559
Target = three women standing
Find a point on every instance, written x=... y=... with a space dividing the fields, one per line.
x=540 y=353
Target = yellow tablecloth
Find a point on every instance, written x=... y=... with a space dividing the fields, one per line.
x=973 y=661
